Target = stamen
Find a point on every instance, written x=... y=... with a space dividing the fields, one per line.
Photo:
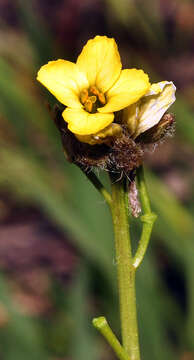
x=88 y=105
x=100 y=95
x=92 y=99
x=94 y=90
x=84 y=96
x=102 y=98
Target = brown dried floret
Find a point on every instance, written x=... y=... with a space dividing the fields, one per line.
x=121 y=154
x=165 y=128
x=78 y=152
x=126 y=154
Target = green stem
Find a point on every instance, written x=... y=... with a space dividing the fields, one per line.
x=148 y=219
x=126 y=263
x=143 y=190
x=126 y=270
x=101 y=325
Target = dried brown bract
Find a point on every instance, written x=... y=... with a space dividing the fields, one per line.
x=120 y=154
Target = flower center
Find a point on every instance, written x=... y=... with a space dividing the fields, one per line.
x=92 y=99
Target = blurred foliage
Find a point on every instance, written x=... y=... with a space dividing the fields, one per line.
x=33 y=170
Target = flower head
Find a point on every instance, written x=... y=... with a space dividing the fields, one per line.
x=95 y=87
x=101 y=99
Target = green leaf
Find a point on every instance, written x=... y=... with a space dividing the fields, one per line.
x=84 y=343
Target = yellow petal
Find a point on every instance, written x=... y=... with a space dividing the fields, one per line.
x=64 y=80
x=128 y=89
x=87 y=139
x=100 y=61
x=155 y=88
x=130 y=117
x=153 y=106
x=105 y=135
x=110 y=131
x=81 y=122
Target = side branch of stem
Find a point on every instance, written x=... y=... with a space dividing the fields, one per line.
x=148 y=222
x=103 y=327
x=147 y=219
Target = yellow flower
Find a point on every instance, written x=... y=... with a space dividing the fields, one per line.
x=94 y=88
x=149 y=110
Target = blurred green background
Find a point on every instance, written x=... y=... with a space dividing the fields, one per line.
x=56 y=240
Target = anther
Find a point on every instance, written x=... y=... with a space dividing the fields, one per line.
x=100 y=95
x=92 y=98
x=84 y=96
x=102 y=98
x=94 y=90
x=88 y=105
